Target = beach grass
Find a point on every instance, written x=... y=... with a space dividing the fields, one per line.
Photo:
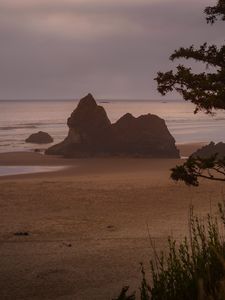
x=191 y=269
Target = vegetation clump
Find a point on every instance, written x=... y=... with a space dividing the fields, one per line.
x=194 y=168
x=207 y=89
x=192 y=269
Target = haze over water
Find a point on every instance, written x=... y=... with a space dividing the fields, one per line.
x=19 y=119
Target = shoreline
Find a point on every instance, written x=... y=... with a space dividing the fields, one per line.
x=47 y=163
x=18 y=158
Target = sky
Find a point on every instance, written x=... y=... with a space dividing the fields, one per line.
x=54 y=49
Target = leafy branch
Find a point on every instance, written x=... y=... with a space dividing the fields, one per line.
x=207 y=89
x=194 y=168
x=213 y=13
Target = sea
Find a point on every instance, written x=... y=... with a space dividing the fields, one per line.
x=20 y=118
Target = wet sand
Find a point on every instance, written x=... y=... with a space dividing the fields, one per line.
x=88 y=226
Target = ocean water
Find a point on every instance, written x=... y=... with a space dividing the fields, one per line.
x=19 y=119
x=18 y=170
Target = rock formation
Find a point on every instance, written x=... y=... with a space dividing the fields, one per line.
x=210 y=150
x=92 y=134
x=39 y=138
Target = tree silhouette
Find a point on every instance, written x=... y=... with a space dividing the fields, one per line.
x=215 y=12
x=194 y=168
x=206 y=90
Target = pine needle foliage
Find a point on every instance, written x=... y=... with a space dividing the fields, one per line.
x=207 y=89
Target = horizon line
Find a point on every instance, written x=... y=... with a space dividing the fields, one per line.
x=97 y=99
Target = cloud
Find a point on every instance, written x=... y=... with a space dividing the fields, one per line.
x=54 y=49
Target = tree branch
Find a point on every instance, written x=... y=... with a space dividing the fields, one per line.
x=213 y=13
x=194 y=168
x=210 y=55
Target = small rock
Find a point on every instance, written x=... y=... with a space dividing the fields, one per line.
x=67 y=245
x=40 y=137
x=21 y=233
x=111 y=227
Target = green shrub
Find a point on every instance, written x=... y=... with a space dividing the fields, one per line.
x=192 y=269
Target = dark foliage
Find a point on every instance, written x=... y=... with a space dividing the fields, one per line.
x=196 y=167
x=215 y=12
x=207 y=89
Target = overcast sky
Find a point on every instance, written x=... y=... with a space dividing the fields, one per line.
x=111 y=48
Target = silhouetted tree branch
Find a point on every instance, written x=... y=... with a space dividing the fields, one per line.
x=195 y=167
x=215 y=12
x=207 y=89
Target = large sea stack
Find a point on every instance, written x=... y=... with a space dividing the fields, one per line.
x=92 y=134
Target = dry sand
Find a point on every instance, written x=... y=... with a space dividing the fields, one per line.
x=88 y=224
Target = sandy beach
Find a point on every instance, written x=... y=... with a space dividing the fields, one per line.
x=88 y=225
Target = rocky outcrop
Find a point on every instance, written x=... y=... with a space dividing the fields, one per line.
x=211 y=149
x=39 y=138
x=89 y=131
x=146 y=135
x=92 y=134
